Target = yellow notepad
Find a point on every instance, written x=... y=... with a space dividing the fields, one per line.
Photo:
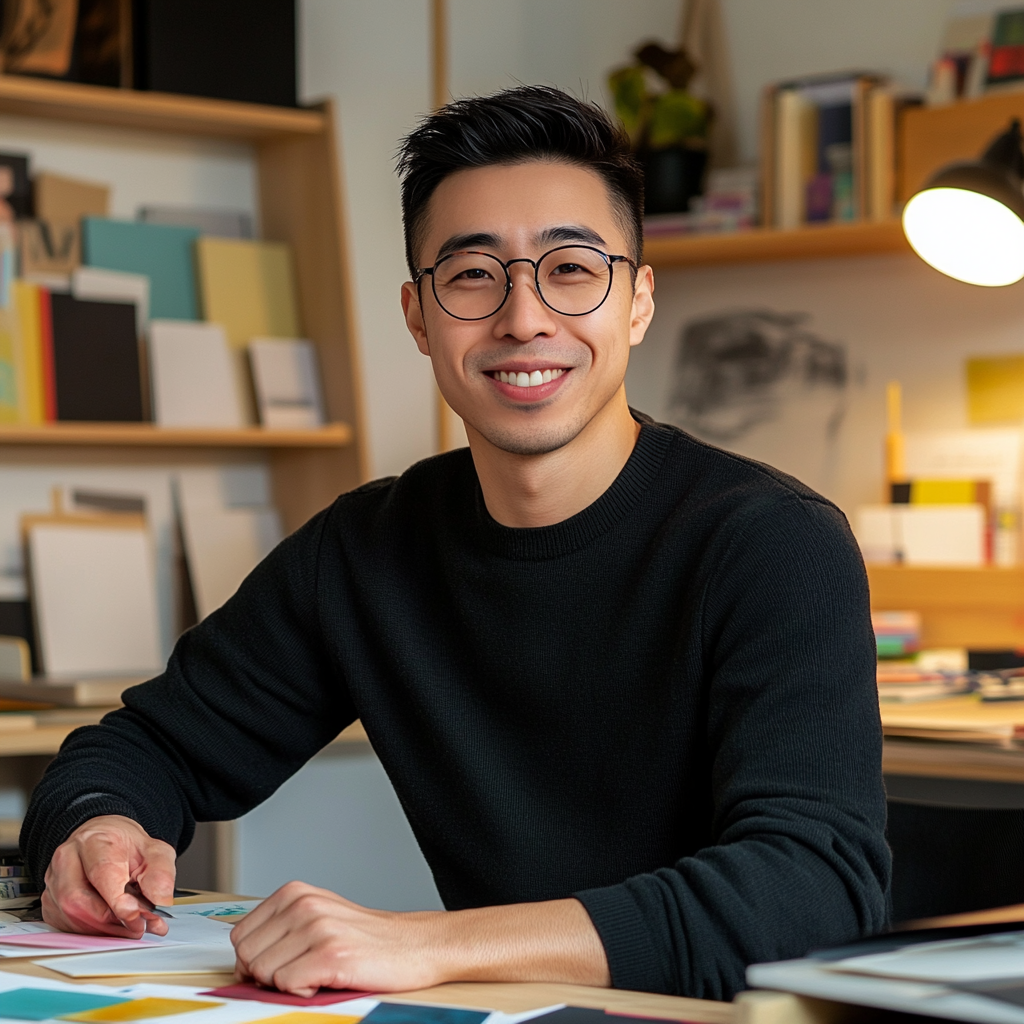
x=141 y=1009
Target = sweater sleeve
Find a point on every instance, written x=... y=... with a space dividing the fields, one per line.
x=248 y=696
x=798 y=859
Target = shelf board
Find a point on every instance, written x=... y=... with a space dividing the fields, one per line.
x=766 y=244
x=153 y=111
x=149 y=435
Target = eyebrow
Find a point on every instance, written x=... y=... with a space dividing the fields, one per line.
x=549 y=236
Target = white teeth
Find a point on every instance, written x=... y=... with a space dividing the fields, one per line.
x=527 y=380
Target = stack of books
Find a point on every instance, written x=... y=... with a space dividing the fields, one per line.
x=18 y=891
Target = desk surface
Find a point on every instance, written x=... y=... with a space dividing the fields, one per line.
x=496 y=996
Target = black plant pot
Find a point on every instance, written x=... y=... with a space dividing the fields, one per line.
x=672 y=177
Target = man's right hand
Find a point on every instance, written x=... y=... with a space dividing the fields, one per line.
x=89 y=870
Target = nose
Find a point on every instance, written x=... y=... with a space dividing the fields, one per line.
x=524 y=315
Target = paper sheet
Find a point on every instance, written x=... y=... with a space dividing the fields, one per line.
x=235 y=908
x=300 y=1017
x=407 y=1013
x=142 y=1009
x=43 y=1004
x=191 y=959
x=249 y=990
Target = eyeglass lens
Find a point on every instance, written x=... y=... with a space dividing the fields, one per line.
x=472 y=285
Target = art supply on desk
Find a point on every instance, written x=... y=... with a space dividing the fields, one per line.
x=228 y=908
x=141 y=1009
x=133 y=890
x=250 y=990
x=407 y=1013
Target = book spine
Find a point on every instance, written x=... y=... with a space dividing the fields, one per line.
x=789 y=135
x=16 y=871
x=881 y=154
x=26 y=297
x=766 y=213
x=46 y=348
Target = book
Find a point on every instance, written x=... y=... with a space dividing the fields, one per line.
x=103 y=43
x=249 y=287
x=287 y=382
x=75 y=693
x=46 y=355
x=114 y=286
x=94 y=599
x=193 y=376
x=32 y=396
x=10 y=369
x=162 y=252
x=220 y=223
x=1006 y=55
x=96 y=360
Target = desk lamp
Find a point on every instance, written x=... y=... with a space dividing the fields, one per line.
x=968 y=220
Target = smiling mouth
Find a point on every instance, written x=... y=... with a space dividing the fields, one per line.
x=527 y=380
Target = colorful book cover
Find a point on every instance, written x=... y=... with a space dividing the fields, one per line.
x=32 y=396
x=46 y=357
x=162 y=252
x=9 y=368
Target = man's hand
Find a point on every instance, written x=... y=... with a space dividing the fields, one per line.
x=303 y=938
x=89 y=870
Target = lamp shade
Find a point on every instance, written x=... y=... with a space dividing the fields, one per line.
x=968 y=221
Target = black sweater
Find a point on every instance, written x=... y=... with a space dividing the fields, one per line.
x=664 y=705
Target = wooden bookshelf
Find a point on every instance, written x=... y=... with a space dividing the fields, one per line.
x=300 y=202
x=148 y=435
x=766 y=244
x=154 y=111
x=981 y=608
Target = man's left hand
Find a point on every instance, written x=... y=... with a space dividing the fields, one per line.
x=303 y=938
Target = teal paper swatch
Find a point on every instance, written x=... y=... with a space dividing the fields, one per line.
x=401 y=1013
x=46 y=1003
x=165 y=254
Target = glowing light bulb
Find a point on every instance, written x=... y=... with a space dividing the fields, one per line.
x=966 y=235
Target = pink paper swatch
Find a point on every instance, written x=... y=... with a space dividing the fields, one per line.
x=250 y=990
x=70 y=940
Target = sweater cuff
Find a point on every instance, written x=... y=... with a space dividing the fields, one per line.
x=39 y=845
x=623 y=931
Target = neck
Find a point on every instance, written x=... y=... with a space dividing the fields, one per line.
x=541 y=490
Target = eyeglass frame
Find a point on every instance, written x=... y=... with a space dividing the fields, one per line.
x=610 y=260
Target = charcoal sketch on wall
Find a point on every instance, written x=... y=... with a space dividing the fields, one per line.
x=739 y=369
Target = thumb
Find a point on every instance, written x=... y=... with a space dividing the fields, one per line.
x=156 y=876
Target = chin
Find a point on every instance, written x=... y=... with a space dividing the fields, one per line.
x=532 y=440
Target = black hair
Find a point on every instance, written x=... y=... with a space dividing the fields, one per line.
x=530 y=122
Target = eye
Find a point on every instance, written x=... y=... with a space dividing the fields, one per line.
x=473 y=274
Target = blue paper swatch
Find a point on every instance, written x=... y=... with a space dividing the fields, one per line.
x=46 y=1003
x=397 y=1013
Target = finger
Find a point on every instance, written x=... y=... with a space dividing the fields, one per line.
x=73 y=903
x=275 y=903
x=307 y=973
x=265 y=966
x=156 y=879
x=105 y=864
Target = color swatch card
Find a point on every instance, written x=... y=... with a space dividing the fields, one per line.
x=45 y=1003
x=410 y=1013
x=195 y=383
x=287 y=383
x=161 y=252
x=142 y=1009
x=252 y=991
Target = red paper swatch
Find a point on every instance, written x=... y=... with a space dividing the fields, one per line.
x=250 y=990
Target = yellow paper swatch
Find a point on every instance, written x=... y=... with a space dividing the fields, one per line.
x=995 y=390
x=141 y=1009
x=301 y=1017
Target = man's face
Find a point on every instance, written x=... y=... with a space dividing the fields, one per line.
x=517 y=211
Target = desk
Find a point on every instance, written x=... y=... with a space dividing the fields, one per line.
x=511 y=998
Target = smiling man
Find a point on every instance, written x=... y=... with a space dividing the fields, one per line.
x=622 y=681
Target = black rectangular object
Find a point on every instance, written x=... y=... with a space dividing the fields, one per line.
x=96 y=360
x=16 y=620
x=225 y=49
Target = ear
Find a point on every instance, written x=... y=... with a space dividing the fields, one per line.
x=414 y=316
x=643 y=305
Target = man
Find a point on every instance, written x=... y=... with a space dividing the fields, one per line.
x=622 y=681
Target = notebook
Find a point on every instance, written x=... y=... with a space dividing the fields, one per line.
x=162 y=252
x=287 y=382
x=114 y=286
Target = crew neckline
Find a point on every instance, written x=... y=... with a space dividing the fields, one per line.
x=558 y=539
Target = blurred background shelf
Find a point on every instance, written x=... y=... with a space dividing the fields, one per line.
x=766 y=244
x=979 y=608
x=334 y=435
x=154 y=111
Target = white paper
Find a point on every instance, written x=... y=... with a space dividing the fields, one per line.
x=922 y=534
x=95 y=600
x=287 y=382
x=194 y=376
x=978 y=959
x=977 y=454
x=153 y=960
x=114 y=286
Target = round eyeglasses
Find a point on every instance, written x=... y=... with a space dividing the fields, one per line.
x=572 y=280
